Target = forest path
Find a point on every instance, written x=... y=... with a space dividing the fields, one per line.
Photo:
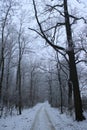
x=42 y=120
x=42 y=117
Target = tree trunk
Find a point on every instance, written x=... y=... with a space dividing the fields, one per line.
x=19 y=88
x=50 y=90
x=60 y=83
x=2 y=64
x=18 y=81
x=31 y=89
x=1 y=77
x=72 y=66
x=70 y=105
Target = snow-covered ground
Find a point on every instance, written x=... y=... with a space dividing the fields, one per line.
x=41 y=117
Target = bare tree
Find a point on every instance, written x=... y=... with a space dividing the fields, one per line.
x=3 y=26
x=60 y=82
x=5 y=21
x=50 y=84
x=70 y=51
x=22 y=42
x=33 y=73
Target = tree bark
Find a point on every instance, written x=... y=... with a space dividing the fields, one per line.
x=60 y=83
x=31 y=89
x=70 y=105
x=19 y=86
x=72 y=66
x=2 y=73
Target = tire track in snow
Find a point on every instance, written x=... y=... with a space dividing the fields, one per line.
x=48 y=116
x=35 y=119
x=42 y=121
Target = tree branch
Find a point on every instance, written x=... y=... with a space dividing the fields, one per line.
x=76 y=18
x=36 y=32
x=82 y=60
x=42 y=32
x=54 y=7
x=57 y=25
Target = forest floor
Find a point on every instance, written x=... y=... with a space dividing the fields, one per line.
x=41 y=117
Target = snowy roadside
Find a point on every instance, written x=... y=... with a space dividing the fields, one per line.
x=65 y=122
x=20 y=122
x=42 y=113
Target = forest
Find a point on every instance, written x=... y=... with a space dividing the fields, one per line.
x=43 y=55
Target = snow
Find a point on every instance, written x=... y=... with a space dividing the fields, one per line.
x=42 y=117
